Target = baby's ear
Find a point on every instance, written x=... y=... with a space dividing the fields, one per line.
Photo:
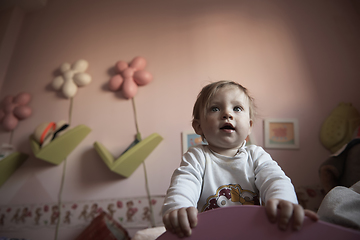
x=251 y=125
x=197 y=127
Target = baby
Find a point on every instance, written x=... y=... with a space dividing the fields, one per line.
x=225 y=171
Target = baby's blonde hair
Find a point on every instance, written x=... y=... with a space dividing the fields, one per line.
x=203 y=99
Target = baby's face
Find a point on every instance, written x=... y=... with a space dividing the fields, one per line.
x=227 y=121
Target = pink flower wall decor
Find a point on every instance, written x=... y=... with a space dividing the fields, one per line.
x=130 y=76
x=13 y=109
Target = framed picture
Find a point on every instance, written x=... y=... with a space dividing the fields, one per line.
x=281 y=133
x=189 y=139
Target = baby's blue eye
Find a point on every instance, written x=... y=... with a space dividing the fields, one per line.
x=214 y=109
x=237 y=109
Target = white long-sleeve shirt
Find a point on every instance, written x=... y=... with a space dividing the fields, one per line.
x=208 y=180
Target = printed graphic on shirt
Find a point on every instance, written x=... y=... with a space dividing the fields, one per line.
x=229 y=195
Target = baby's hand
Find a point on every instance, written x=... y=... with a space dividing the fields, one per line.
x=287 y=211
x=181 y=221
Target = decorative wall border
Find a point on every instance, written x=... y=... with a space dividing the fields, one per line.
x=129 y=212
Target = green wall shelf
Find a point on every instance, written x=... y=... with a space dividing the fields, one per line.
x=58 y=149
x=9 y=164
x=131 y=159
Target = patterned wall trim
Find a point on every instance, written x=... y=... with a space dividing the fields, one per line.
x=129 y=212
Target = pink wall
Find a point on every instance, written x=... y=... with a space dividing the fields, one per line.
x=299 y=60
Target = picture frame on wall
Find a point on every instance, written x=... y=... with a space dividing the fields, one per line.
x=190 y=139
x=281 y=133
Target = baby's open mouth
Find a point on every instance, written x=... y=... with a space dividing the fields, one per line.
x=227 y=126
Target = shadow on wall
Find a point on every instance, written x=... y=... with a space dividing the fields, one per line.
x=94 y=171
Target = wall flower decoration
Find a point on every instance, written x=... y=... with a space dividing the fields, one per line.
x=128 y=79
x=57 y=147
x=72 y=77
x=13 y=109
x=130 y=76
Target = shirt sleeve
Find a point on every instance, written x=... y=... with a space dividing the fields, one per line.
x=186 y=182
x=270 y=178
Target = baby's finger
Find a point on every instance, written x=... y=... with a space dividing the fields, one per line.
x=173 y=216
x=184 y=222
x=285 y=213
x=192 y=215
x=298 y=217
x=271 y=209
x=167 y=223
x=312 y=215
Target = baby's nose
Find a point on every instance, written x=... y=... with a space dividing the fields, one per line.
x=227 y=115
